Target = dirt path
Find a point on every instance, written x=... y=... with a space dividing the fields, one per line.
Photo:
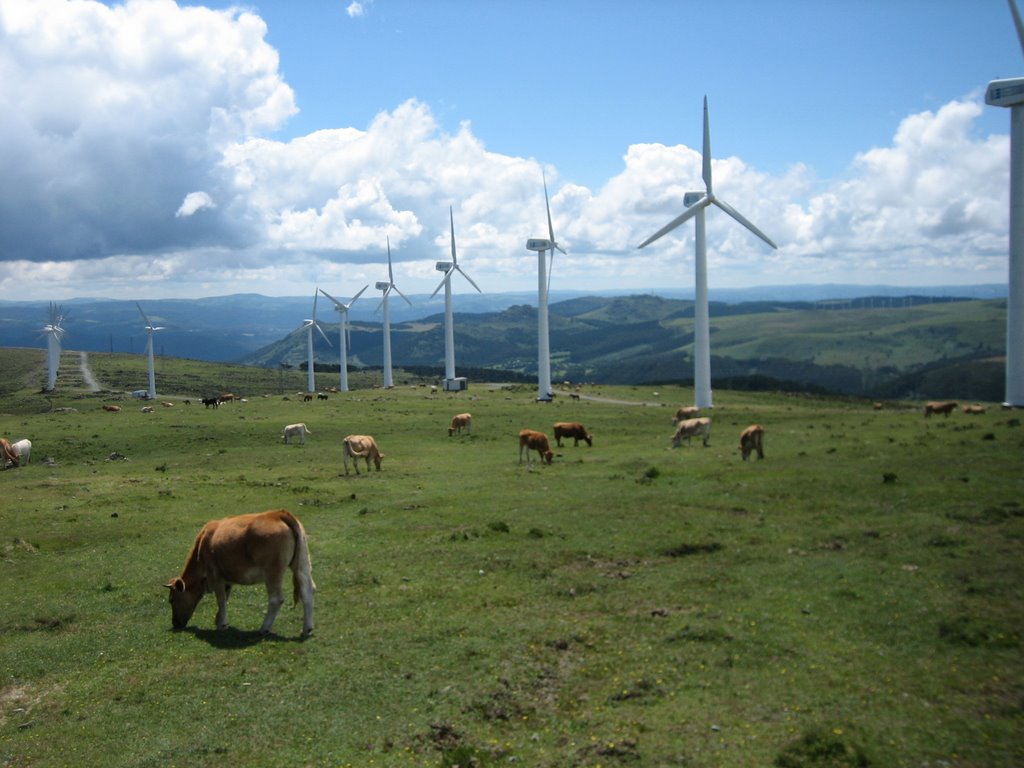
x=87 y=377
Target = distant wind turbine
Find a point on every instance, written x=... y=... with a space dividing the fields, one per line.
x=386 y=288
x=1010 y=93
x=54 y=331
x=542 y=246
x=309 y=324
x=696 y=202
x=343 y=335
x=150 y=330
x=449 y=330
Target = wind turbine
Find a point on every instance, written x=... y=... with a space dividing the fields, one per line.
x=449 y=330
x=54 y=333
x=542 y=246
x=696 y=202
x=343 y=334
x=386 y=288
x=309 y=324
x=1010 y=93
x=150 y=330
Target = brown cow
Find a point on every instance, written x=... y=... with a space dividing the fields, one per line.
x=690 y=428
x=459 y=422
x=361 y=446
x=686 y=412
x=974 y=409
x=945 y=407
x=534 y=441
x=245 y=549
x=112 y=408
x=752 y=439
x=7 y=454
x=571 y=429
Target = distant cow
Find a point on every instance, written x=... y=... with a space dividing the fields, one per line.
x=690 y=428
x=246 y=549
x=361 y=447
x=211 y=402
x=461 y=421
x=7 y=454
x=571 y=429
x=112 y=408
x=293 y=430
x=686 y=412
x=227 y=397
x=752 y=439
x=975 y=409
x=23 y=449
x=534 y=441
x=307 y=398
x=321 y=396
x=166 y=404
x=945 y=407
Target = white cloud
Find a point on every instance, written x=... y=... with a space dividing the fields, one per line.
x=194 y=201
x=357 y=9
x=117 y=116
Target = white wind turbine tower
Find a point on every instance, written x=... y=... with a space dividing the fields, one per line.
x=309 y=324
x=386 y=288
x=450 y=382
x=542 y=246
x=150 y=330
x=54 y=331
x=1010 y=93
x=696 y=202
x=343 y=335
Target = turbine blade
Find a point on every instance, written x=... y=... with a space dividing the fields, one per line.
x=451 y=216
x=321 y=331
x=315 y=296
x=469 y=278
x=551 y=264
x=402 y=295
x=353 y=299
x=685 y=216
x=1017 y=23
x=441 y=284
x=742 y=220
x=391 y=277
x=142 y=313
x=337 y=303
x=707 y=149
x=547 y=204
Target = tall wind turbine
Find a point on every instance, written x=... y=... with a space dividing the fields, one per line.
x=54 y=332
x=343 y=335
x=309 y=324
x=542 y=247
x=386 y=288
x=1010 y=93
x=150 y=330
x=449 y=329
x=696 y=202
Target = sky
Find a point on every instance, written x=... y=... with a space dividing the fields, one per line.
x=154 y=149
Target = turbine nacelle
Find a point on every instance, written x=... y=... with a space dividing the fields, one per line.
x=1005 y=93
x=382 y=286
x=539 y=244
x=443 y=266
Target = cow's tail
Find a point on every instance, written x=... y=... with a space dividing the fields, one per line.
x=301 y=565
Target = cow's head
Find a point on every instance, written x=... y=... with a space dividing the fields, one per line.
x=377 y=458
x=183 y=601
x=548 y=455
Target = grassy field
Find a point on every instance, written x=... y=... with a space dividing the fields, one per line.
x=852 y=600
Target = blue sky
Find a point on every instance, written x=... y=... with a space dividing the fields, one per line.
x=165 y=150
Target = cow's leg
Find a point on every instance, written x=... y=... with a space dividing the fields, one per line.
x=274 y=600
x=223 y=592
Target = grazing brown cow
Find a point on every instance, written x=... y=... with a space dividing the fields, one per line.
x=690 y=428
x=361 y=446
x=571 y=429
x=752 y=439
x=7 y=454
x=686 y=412
x=461 y=421
x=245 y=549
x=945 y=407
x=534 y=441
x=112 y=408
x=975 y=409
x=227 y=397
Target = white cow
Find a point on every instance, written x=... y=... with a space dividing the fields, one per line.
x=301 y=430
x=24 y=450
x=689 y=428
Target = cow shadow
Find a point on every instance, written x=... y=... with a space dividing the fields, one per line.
x=237 y=638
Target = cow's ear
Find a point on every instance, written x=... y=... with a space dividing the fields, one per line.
x=176 y=584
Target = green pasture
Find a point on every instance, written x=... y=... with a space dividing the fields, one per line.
x=853 y=600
